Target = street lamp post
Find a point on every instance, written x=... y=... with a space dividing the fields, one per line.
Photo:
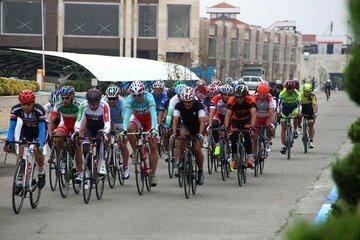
x=43 y=36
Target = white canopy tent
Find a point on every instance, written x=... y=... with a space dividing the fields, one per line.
x=123 y=69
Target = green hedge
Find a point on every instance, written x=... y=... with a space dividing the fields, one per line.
x=9 y=87
x=354 y=131
x=79 y=85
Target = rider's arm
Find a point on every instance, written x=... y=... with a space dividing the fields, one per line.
x=12 y=125
x=51 y=125
x=80 y=117
x=202 y=121
x=176 y=121
x=227 y=118
x=253 y=116
x=152 y=110
x=107 y=117
x=41 y=124
x=212 y=114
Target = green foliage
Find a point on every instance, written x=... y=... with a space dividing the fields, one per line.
x=354 y=131
x=79 y=85
x=352 y=75
x=346 y=174
x=340 y=207
x=344 y=227
x=10 y=87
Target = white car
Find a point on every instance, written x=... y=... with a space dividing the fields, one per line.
x=251 y=81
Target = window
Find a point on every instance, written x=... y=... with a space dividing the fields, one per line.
x=91 y=19
x=147 y=20
x=247 y=35
x=212 y=48
x=246 y=54
x=234 y=49
x=21 y=17
x=212 y=30
x=265 y=56
x=277 y=38
x=178 y=21
x=234 y=33
x=267 y=37
x=276 y=53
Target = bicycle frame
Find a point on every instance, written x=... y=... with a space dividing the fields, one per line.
x=289 y=136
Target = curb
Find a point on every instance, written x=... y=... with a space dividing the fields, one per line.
x=326 y=207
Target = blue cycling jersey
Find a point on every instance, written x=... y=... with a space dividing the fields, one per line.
x=117 y=112
x=158 y=100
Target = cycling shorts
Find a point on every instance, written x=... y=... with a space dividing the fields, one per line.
x=144 y=122
x=64 y=129
x=259 y=122
x=288 y=111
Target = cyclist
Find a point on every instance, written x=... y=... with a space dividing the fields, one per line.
x=229 y=81
x=34 y=127
x=265 y=109
x=328 y=87
x=274 y=91
x=192 y=115
x=53 y=98
x=309 y=107
x=93 y=120
x=117 y=111
x=279 y=85
x=218 y=111
x=201 y=91
x=158 y=94
x=241 y=114
x=140 y=111
x=217 y=82
x=173 y=101
x=297 y=84
x=67 y=109
x=289 y=103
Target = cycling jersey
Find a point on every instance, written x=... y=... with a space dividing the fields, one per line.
x=263 y=106
x=164 y=105
x=219 y=105
x=173 y=101
x=48 y=109
x=275 y=93
x=201 y=94
x=289 y=101
x=140 y=110
x=308 y=103
x=190 y=117
x=95 y=120
x=34 y=123
x=241 y=112
x=117 y=112
x=158 y=100
x=68 y=113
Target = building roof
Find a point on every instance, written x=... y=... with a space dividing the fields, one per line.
x=122 y=69
x=223 y=8
x=308 y=37
x=223 y=5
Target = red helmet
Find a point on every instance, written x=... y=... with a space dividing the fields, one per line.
x=263 y=88
x=27 y=96
x=289 y=84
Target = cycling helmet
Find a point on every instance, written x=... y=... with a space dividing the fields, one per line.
x=170 y=93
x=228 y=89
x=229 y=80
x=240 y=81
x=241 y=90
x=159 y=84
x=178 y=82
x=263 y=88
x=93 y=95
x=179 y=88
x=328 y=80
x=278 y=82
x=217 y=82
x=112 y=91
x=307 y=87
x=201 y=82
x=272 y=84
x=187 y=94
x=289 y=84
x=137 y=88
x=54 y=97
x=213 y=88
x=67 y=91
x=26 y=96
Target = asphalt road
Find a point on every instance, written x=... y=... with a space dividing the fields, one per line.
x=261 y=209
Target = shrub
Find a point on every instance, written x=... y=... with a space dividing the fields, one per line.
x=10 y=87
x=354 y=131
x=79 y=85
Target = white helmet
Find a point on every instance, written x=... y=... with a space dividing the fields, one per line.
x=137 y=88
x=328 y=80
x=226 y=89
x=187 y=94
x=159 y=84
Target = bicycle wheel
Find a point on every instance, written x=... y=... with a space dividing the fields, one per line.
x=188 y=175
x=210 y=151
x=305 y=136
x=288 y=142
x=181 y=178
x=239 y=171
x=226 y=157
x=194 y=179
x=87 y=177
x=111 y=167
x=99 y=185
x=171 y=159
x=64 y=181
x=257 y=156
x=223 y=160
x=139 y=175
x=147 y=170
x=119 y=165
x=262 y=156
x=35 y=192
x=18 y=196
x=53 y=176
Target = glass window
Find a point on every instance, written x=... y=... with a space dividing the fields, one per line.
x=246 y=54
x=147 y=20
x=91 y=19
x=276 y=53
x=265 y=53
x=21 y=17
x=234 y=49
x=212 y=48
x=178 y=21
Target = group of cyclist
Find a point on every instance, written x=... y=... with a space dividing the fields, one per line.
x=178 y=111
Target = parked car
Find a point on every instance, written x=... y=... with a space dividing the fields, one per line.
x=251 y=81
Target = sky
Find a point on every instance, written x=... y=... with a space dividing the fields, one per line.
x=311 y=16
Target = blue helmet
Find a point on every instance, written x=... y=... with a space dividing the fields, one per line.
x=54 y=97
x=67 y=91
x=179 y=88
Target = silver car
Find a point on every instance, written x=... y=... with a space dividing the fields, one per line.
x=251 y=81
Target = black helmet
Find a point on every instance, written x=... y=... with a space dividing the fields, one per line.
x=170 y=93
x=272 y=84
x=93 y=95
x=241 y=90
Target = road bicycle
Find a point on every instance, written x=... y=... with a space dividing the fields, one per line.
x=241 y=170
x=289 y=138
x=114 y=164
x=53 y=175
x=91 y=176
x=142 y=162
x=260 y=154
x=26 y=178
x=66 y=170
x=211 y=159
x=171 y=157
x=305 y=133
x=225 y=152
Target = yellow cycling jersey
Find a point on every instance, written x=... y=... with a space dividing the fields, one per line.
x=305 y=100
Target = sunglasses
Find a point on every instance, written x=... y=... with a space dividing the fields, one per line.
x=226 y=94
x=112 y=98
x=138 y=95
x=27 y=104
x=65 y=98
x=188 y=102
